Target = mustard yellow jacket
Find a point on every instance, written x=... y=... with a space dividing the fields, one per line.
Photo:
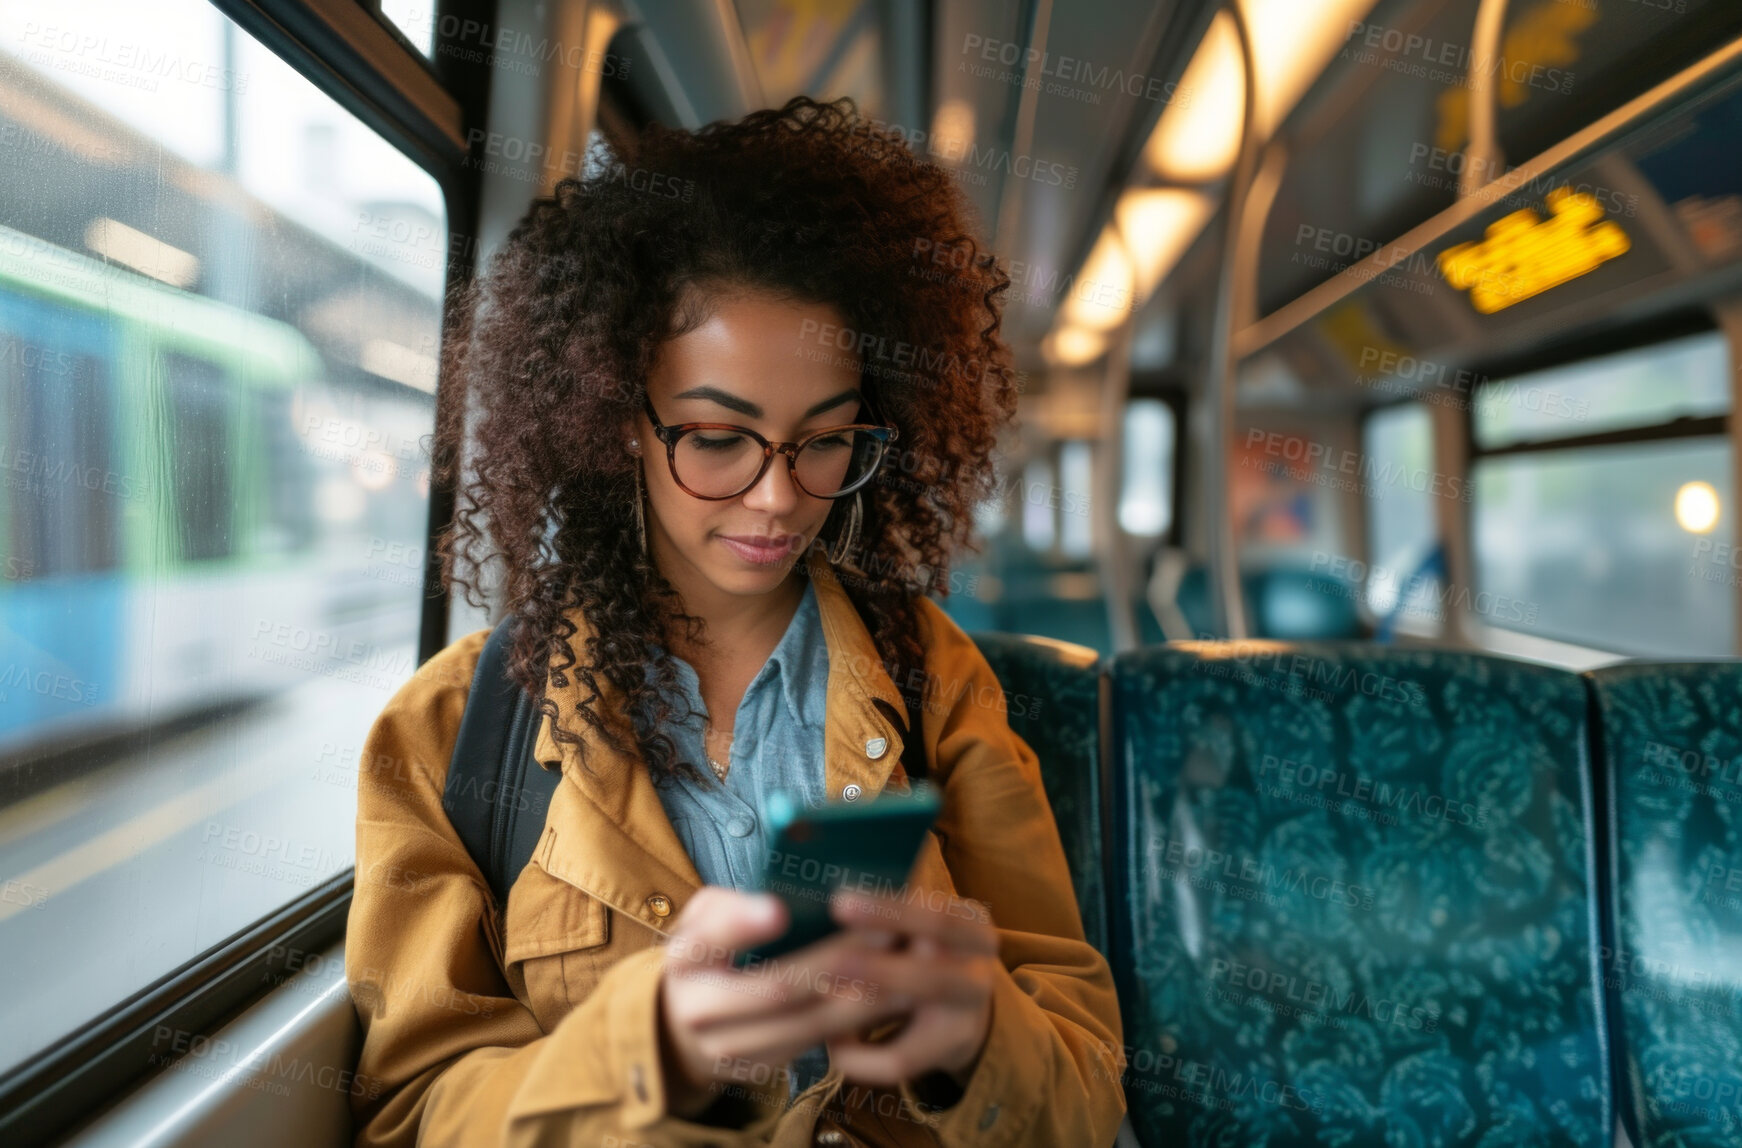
x=539 y=1027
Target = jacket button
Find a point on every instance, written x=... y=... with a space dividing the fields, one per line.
x=876 y=747
x=851 y=792
x=660 y=905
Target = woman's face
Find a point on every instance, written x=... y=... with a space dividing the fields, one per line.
x=759 y=362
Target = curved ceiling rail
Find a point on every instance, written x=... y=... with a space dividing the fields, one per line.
x=1227 y=600
x=1119 y=589
x=1482 y=153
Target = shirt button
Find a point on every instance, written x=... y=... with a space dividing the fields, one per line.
x=850 y=792
x=740 y=826
x=660 y=905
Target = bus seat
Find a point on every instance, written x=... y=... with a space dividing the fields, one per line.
x=1295 y=605
x=1053 y=699
x=1285 y=603
x=1670 y=748
x=1352 y=902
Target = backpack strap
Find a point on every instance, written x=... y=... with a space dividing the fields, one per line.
x=496 y=795
x=913 y=745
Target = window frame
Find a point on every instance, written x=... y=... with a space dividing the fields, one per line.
x=1589 y=346
x=1586 y=345
x=422 y=108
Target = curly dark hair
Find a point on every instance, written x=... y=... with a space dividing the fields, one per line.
x=553 y=342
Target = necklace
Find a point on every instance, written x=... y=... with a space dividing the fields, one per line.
x=719 y=770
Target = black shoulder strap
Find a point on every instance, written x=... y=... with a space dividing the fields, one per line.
x=913 y=745
x=496 y=795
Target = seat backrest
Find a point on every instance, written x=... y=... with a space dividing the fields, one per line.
x=1670 y=740
x=1353 y=898
x=1303 y=605
x=1055 y=691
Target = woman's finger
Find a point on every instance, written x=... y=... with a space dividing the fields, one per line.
x=779 y=984
x=957 y=923
x=919 y=977
x=719 y=922
x=778 y=1036
x=932 y=1036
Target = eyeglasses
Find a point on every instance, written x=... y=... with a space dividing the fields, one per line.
x=717 y=461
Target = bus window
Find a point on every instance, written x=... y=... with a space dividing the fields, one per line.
x=1037 y=517
x=220 y=299
x=1684 y=378
x=1146 y=497
x=1617 y=546
x=1076 y=465
x=1401 y=529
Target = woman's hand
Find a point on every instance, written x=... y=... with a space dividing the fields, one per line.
x=720 y=1024
x=941 y=972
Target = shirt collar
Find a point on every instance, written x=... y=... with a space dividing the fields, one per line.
x=800 y=666
x=802 y=663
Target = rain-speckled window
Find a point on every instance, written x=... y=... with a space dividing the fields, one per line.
x=219 y=319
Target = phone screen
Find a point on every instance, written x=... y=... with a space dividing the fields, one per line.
x=862 y=846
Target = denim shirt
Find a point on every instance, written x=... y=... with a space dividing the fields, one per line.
x=777 y=744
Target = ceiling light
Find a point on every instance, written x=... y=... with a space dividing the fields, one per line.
x=1100 y=297
x=1158 y=226
x=1293 y=43
x=1075 y=346
x=1198 y=136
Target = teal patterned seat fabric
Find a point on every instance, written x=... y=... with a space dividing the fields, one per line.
x=1353 y=901
x=1053 y=691
x=1671 y=744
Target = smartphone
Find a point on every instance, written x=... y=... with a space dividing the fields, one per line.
x=862 y=846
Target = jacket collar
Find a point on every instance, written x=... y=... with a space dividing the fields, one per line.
x=607 y=832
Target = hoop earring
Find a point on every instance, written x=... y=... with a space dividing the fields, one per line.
x=640 y=524
x=844 y=544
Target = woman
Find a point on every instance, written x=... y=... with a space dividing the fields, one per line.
x=711 y=613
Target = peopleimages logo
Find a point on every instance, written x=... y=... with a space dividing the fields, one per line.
x=1447 y=62
x=1320 y=997
x=1169 y=857
x=1292 y=775
x=1206 y=1085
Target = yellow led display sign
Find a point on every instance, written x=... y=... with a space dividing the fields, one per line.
x=1524 y=254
